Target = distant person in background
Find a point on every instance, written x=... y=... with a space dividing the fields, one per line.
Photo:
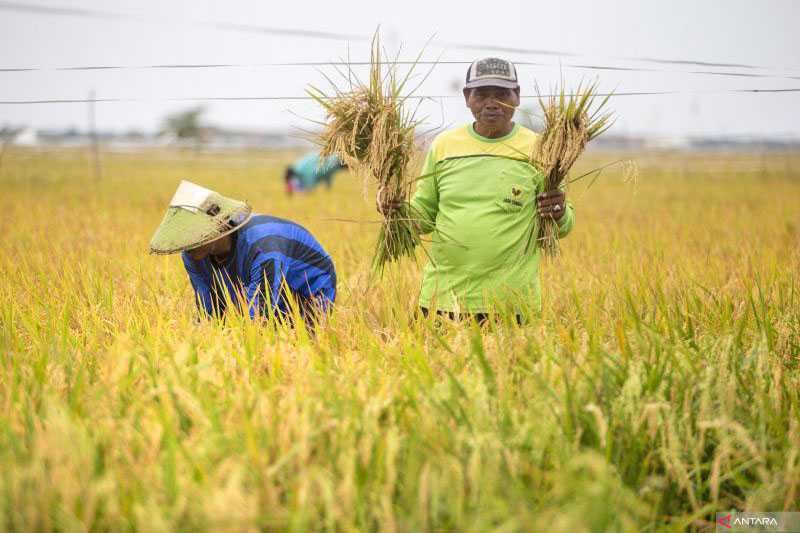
x=309 y=171
x=258 y=263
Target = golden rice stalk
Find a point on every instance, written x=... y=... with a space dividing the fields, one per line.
x=570 y=122
x=368 y=127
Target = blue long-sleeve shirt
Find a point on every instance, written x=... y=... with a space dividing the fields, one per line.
x=268 y=253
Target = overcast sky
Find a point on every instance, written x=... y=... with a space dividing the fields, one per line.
x=760 y=34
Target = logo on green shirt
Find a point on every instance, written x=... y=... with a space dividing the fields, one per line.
x=516 y=193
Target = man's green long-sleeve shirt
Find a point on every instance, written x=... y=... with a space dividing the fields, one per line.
x=478 y=198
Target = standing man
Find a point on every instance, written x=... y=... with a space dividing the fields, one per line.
x=479 y=200
x=309 y=171
x=255 y=262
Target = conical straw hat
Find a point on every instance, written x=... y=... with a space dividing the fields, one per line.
x=197 y=216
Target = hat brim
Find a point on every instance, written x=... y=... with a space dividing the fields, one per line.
x=184 y=229
x=492 y=82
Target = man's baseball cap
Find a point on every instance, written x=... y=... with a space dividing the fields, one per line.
x=492 y=72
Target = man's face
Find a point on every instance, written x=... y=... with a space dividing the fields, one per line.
x=492 y=107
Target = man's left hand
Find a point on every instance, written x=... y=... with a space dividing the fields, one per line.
x=551 y=204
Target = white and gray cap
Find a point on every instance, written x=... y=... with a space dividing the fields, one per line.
x=492 y=72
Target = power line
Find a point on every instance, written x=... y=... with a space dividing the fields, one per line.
x=691 y=62
x=68 y=11
x=257 y=29
x=535 y=51
x=422 y=97
x=206 y=66
x=245 y=28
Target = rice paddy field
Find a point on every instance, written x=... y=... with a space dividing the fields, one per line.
x=659 y=385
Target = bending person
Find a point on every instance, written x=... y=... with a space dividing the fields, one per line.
x=232 y=255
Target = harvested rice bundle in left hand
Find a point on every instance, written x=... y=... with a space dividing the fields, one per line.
x=570 y=122
x=369 y=129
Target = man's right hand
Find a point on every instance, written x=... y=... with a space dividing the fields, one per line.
x=387 y=207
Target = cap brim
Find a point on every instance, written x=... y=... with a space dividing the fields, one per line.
x=492 y=82
x=183 y=229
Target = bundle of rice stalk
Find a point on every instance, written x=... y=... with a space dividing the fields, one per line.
x=368 y=127
x=570 y=122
